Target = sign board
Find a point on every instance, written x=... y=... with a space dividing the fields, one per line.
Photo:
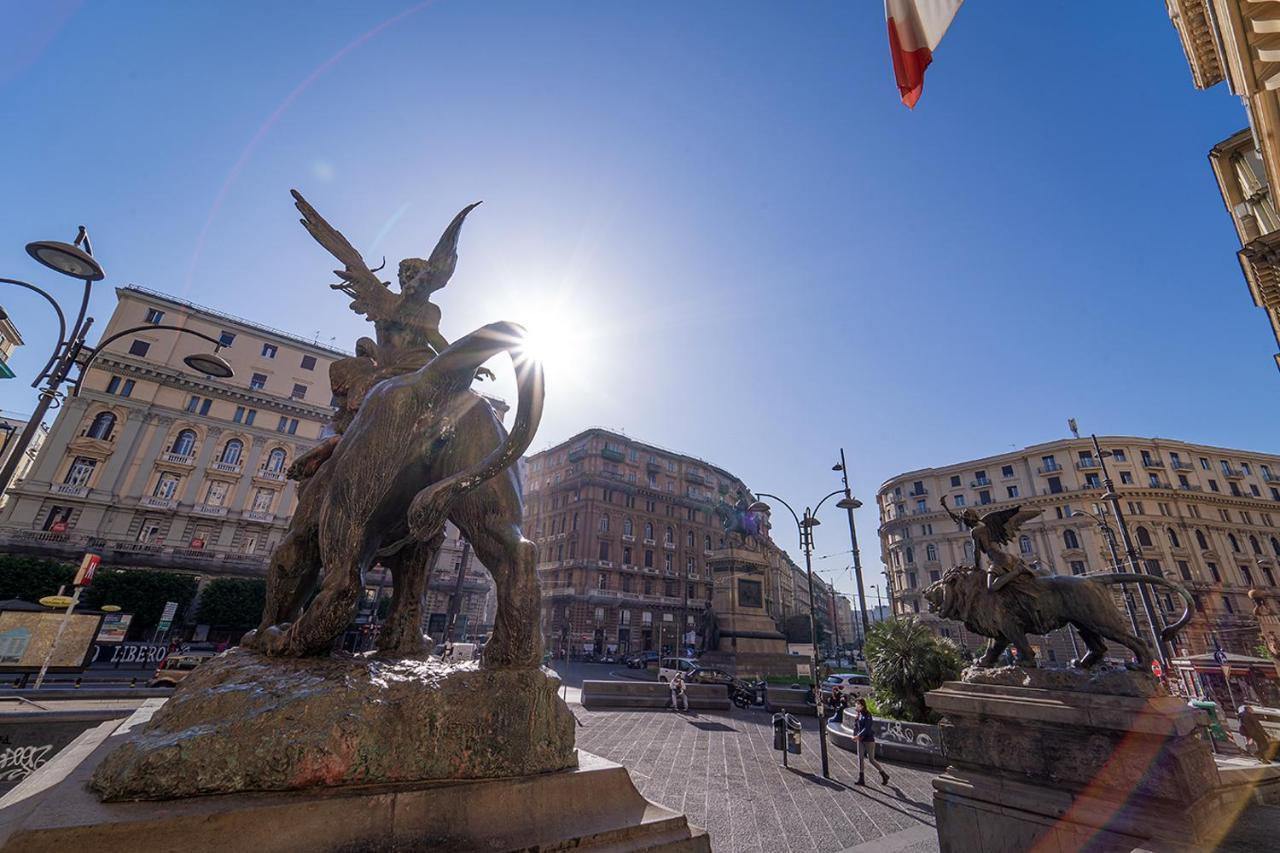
x=166 y=616
x=1156 y=669
x=114 y=628
x=802 y=669
x=26 y=637
x=88 y=565
x=1226 y=670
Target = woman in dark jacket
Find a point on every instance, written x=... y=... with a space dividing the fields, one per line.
x=864 y=733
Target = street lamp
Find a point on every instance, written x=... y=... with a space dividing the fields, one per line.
x=849 y=503
x=1099 y=515
x=805 y=526
x=76 y=260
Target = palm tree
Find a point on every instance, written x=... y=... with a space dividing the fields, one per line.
x=907 y=660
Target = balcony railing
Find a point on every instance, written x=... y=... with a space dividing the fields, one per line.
x=178 y=458
x=264 y=517
x=157 y=502
x=209 y=509
x=1179 y=465
x=264 y=474
x=226 y=467
x=1232 y=473
x=613 y=455
x=980 y=482
x=1268 y=477
x=1088 y=464
x=1152 y=462
x=918 y=493
x=69 y=489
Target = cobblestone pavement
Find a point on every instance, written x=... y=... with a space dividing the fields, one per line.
x=720 y=769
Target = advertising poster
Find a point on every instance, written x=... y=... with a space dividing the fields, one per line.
x=115 y=626
x=26 y=636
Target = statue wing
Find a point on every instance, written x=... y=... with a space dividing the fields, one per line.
x=1003 y=523
x=369 y=295
x=438 y=269
x=957 y=519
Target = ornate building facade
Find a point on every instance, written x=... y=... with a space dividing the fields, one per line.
x=1233 y=41
x=624 y=530
x=1206 y=516
x=154 y=465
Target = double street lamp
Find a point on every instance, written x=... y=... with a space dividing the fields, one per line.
x=76 y=260
x=804 y=526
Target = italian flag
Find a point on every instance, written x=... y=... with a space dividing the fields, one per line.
x=915 y=28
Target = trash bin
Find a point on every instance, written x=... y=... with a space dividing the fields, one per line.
x=1216 y=731
x=786 y=733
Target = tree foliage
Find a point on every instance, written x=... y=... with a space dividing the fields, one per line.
x=797 y=629
x=32 y=578
x=907 y=660
x=232 y=602
x=140 y=592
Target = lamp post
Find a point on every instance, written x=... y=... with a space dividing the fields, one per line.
x=1130 y=552
x=805 y=527
x=849 y=504
x=1099 y=516
x=76 y=261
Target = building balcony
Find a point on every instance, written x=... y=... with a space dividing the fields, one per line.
x=577 y=454
x=558 y=592
x=627 y=537
x=694 y=477
x=155 y=502
x=69 y=489
x=1049 y=468
x=1179 y=465
x=1152 y=462
x=1088 y=465
x=1191 y=488
x=981 y=482
x=1268 y=477
x=186 y=460
x=920 y=511
x=263 y=517
x=670 y=546
x=225 y=467
x=918 y=493
x=71 y=546
x=605 y=564
x=209 y=509
x=272 y=476
x=649 y=542
x=613 y=455
x=1233 y=473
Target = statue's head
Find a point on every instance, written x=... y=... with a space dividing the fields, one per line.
x=970 y=517
x=942 y=594
x=411 y=276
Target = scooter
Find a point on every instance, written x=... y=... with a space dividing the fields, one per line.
x=744 y=694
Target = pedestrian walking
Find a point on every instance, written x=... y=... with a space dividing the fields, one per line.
x=1252 y=729
x=839 y=702
x=864 y=734
x=678 y=693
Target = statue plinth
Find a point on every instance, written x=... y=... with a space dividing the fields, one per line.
x=245 y=722
x=1071 y=760
x=749 y=640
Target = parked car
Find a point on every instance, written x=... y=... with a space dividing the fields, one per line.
x=707 y=675
x=642 y=660
x=851 y=684
x=670 y=666
x=176 y=666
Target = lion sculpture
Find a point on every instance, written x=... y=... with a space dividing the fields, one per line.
x=1034 y=604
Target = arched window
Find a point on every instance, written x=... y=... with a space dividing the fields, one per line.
x=911 y=555
x=931 y=552
x=1253 y=544
x=604 y=523
x=1235 y=546
x=1024 y=544
x=1144 y=537
x=231 y=451
x=648 y=530
x=707 y=544
x=185 y=443
x=275 y=460
x=102 y=425
x=627 y=527
x=689 y=539
x=1173 y=538
x=1069 y=539
x=1203 y=543
x=671 y=537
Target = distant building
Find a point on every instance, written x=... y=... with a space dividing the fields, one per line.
x=1205 y=516
x=10 y=339
x=1230 y=40
x=11 y=426
x=624 y=530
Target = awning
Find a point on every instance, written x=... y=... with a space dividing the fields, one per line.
x=1240 y=665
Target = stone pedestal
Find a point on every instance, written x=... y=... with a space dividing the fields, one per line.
x=750 y=642
x=1070 y=760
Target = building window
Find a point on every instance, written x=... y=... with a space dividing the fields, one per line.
x=1213 y=486
x=959 y=500
x=258 y=381
x=155 y=316
x=1024 y=544
x=604 y=552
x=1235 y=546
x=269 y=350
x=1013 y=491
x=955 y=482
x=1253 y=544
x=931 y=552
x=1173 y=538
x=249 y=416
x=1184 y=570
x=308 y=362
x=1118 y=455
x=1069 y=539
x=648 y=531
x=139 y=348
x=1077 y=567
x=238 y=417
x=226 y=339
x=1226 y=604
x=217 y=493
x=1202 y=542
x=1006 y=471
x=1126 y=478
x=185 y=443
x=166 y=486
x=1055 y=485
x=231 y=452
x=627 y=527
x=648 y=559
x=1213 y=571
x=262 y=500
x=57 y=514
x=275 y=461
x=299 y=391
x=80 y=471
x=102 y=426
x=283 y=425
x=1144 y=537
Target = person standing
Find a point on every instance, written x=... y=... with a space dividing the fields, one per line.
x=1252 y=729
x=864 y=733
x=678 y=693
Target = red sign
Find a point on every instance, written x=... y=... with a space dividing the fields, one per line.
x=197 y=543
x=84 y=575
x=1156 y=669
x=58 y=527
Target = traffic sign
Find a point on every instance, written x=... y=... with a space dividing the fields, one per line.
x=1220 y=656
x=88 y=565
x=166 y=616
x=1156 y=669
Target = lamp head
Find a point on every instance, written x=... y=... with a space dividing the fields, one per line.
x=849 y=503
x=210 y=364
x=758 y=506
x=66 y=259
x=837 y=467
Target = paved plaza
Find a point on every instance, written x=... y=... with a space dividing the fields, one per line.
x=721 y=770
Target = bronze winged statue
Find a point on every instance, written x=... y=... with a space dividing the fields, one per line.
x=990 y=531
x=414 y=446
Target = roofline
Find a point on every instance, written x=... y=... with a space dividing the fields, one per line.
x=1102 y=439
x=17 y=333
x=596 y=430
x=231 y=318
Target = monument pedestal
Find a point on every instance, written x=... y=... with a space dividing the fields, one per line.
x=749 y=641
x=1070 y=760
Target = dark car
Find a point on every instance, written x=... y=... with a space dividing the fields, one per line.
x=707 y=675
x=642 y=660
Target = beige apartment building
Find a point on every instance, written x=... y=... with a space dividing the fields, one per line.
x=1206 y=516
x=11 y=426
x=1234 y=41
x=155 y=465
x=10 y=339
x=624 y=531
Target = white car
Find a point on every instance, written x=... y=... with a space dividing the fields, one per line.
x=851 y=684
x=668 y=667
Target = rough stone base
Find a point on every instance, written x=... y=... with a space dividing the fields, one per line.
x=593 y=807
x=1062 y=759
x=243 y=722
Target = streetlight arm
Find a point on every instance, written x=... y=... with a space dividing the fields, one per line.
x=824 y=500
x=96 y=351
x=62 y=323
x=784 y=503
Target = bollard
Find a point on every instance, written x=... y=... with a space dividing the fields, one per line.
x=133 y=682
x=77 y=684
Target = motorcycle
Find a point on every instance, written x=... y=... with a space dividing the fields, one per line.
x=744 y=694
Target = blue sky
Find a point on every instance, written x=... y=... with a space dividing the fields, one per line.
x=757 y=254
